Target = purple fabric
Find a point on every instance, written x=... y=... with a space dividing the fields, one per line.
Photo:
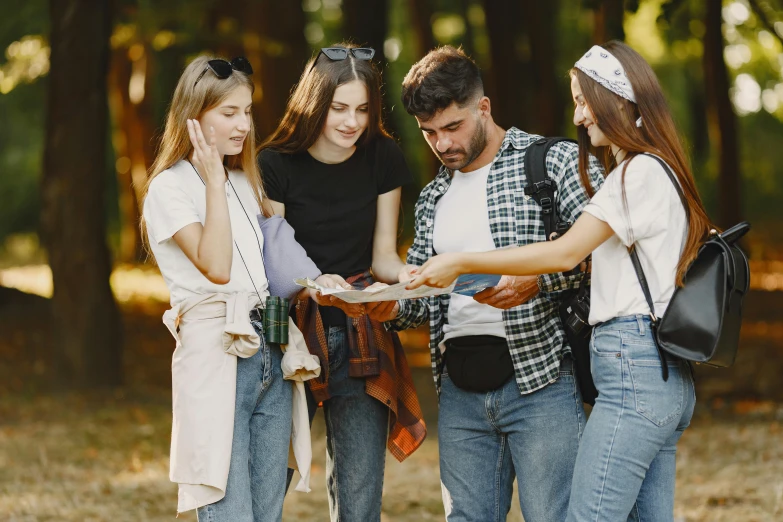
x=284 y=258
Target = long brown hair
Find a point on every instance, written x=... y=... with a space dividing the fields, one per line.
x=190 y=101
x=657 y=135
x=308 y=106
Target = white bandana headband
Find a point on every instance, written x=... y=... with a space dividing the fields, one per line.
x=601 y=66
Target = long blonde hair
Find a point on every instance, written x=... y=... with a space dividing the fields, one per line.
x=191 y=100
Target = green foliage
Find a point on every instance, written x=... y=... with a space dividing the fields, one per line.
x=667 y=32
x=22 y=18
x=21 y=154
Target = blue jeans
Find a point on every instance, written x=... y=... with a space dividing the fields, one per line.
x=485 y=439
x=262 y=434
x=357 y=426
x=626 y=462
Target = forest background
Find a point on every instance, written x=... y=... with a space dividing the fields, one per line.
x=84 y=88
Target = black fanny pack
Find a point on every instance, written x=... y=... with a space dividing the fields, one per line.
x=478 y=363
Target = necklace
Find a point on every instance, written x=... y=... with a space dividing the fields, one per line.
x=258 y=241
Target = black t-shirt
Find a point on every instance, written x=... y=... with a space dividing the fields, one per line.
x=332 y=207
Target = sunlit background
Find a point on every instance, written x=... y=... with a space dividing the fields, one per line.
x=68 y=452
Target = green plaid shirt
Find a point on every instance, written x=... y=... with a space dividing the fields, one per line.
x=533 y=329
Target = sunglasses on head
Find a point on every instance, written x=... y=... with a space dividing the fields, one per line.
x=341 y=53
x=223 y=69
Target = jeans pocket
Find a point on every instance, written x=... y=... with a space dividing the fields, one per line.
x=656 y=400
x=337 y=347
x=605 y=343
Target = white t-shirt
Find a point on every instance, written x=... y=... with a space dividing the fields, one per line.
x=177 y=198
x=462 y=225
x=655 y=219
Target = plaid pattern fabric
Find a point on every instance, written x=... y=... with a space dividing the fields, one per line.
x=534 y=332
x=376 y=355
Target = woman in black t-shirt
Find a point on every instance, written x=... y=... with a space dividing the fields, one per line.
x=334 y=173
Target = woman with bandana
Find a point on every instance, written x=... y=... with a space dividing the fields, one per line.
x=625 y=467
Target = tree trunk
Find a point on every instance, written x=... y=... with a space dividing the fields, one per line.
x=608 y=21
x=721 y=121
x=365 y=22
x=86 y=323
x=546 y=100
x=280 y=56
x=700 y=139
x=133 y=128
x=420 y=16
x=421 y=19
x=507 y=83
x=468 y=40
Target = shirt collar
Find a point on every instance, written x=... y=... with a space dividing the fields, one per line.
x=514 y=138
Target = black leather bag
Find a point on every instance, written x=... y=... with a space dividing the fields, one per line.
x=574 y=307
x=702 y=322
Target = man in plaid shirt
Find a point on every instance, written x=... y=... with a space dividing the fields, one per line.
x=492 y=427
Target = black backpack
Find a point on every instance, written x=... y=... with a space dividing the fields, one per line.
x=574 y=307
x=703 y=319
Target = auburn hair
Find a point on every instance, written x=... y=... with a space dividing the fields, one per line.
x=616 y=117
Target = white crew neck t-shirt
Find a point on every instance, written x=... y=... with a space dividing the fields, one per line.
x=177 y=198
x=655 y=219
x=462 y=225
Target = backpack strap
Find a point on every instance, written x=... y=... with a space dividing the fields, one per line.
x=541 y=187
x=637 y=266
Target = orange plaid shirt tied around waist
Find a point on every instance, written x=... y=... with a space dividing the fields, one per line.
x=376 y=355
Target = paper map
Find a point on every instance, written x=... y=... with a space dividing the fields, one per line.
x=468 y=284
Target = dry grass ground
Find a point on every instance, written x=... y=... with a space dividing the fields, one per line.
x=105 y=458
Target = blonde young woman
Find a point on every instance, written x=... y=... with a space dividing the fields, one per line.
x=232 y=408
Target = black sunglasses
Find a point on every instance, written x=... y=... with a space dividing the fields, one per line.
x=223 y=69
x=341 y=53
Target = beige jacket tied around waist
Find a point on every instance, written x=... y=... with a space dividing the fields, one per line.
x=211 y=331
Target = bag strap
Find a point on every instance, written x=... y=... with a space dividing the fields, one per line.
x=540 y=186
x=637 y=265
x=674 y=181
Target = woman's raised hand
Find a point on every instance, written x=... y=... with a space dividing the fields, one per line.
x=206 y=157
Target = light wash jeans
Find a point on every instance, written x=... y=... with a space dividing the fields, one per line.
x=262 y=433
x=357 y=427
x=626 y=462
x=485 y=439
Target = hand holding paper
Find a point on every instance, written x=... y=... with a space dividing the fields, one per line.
x=466 y=285
x=439 y=271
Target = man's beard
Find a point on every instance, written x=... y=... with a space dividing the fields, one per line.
x=477 y=144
